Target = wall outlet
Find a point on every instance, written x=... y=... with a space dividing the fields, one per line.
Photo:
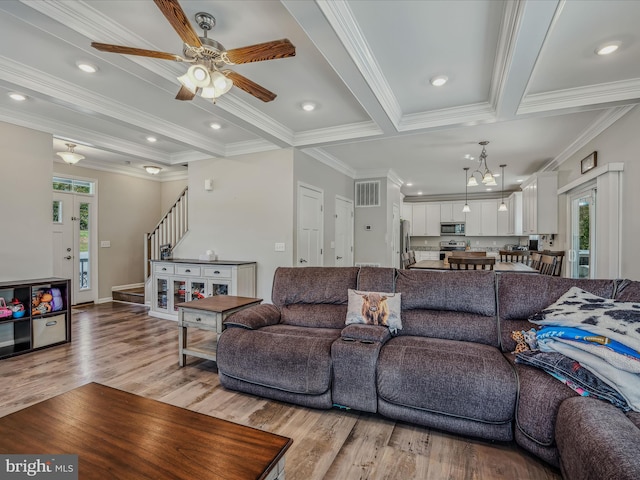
x=279 y=247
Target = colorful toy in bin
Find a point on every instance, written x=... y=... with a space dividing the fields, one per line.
x=17 y=308
x=5 y=312
x=46 y=300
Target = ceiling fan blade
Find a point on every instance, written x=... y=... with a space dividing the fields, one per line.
x=262 y=51
x=185 y=94
x=243 y=83
x=106 y=47
x=173 y=12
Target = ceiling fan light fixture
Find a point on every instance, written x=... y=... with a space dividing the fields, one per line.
x=70 y=156
x=152 y=169
x=187 y=83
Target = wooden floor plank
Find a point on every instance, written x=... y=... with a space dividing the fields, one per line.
x=119 y=345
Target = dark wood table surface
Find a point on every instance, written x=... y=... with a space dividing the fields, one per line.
x=498 y=267
x=220 y=303
x=118 y=435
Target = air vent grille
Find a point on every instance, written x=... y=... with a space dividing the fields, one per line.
x=368 y=194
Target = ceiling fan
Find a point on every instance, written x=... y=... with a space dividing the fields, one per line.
x=208 y=58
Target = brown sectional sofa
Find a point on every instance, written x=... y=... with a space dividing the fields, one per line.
x=450 y=366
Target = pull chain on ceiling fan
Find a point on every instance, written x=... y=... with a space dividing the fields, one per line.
x=208 y=58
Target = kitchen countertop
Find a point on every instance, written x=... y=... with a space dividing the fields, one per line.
x=204 y=262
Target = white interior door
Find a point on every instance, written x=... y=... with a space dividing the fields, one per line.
x=344 y=232
x=74 y=240
x=310 y=226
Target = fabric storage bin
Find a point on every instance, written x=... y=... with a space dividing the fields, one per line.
x=49 y=330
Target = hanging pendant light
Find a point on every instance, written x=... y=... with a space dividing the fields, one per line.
x=484 y=174
x=466 y=208
x=503 y=206
x=70 y=156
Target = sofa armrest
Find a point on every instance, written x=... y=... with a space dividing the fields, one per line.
x=254 y=317
x=366 y=333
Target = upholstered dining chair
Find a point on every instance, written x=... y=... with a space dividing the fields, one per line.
x=471 y=263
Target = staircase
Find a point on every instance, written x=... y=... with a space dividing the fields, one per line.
x=169 y=231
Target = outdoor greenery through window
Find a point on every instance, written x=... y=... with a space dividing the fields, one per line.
x=71 y=185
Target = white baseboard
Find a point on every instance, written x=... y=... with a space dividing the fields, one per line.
x=104 y=300
x=126 y=287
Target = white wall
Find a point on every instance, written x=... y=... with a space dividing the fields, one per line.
x=249 y=209
x=169 y=192
x=619 y=143
x=309 y=171
x=25 y=203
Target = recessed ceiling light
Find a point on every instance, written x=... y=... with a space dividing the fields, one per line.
x=419 y=193
x=439 y=80
x=308 y=106
x=409 y=184
x=489 y=189
x=87 y=67
x=215 y=126
x=520 y=180
x=608 y=48
x=152 y=139
x=18 y=97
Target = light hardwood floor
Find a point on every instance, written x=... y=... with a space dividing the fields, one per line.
x=119 y=345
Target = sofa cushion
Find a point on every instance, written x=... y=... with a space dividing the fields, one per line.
x=520 y=295
x=459 y=379
x=374 y=308
x=313 y=296
x=596 y=441
x=284 y=357
x=377 y=279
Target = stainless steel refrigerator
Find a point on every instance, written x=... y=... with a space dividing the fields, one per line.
x=405 y=237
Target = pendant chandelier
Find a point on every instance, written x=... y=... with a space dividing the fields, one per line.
x=466 y=208
x=503 y=206
x=485 y=175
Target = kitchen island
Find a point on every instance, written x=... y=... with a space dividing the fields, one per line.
x=498 y=267
x=180 y=280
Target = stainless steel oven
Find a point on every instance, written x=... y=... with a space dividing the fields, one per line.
x=452 y=229
x=451 y=246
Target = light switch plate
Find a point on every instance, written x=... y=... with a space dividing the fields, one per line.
x=279 y=247
x=105 y=243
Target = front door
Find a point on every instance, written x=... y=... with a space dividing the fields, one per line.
x=310 y=226
x=73 y=244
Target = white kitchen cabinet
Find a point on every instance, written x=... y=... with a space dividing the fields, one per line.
x=425 y=220
x=407 y=211
x=540 y=204
x=514 y=204
x=176 y=281
x=452 y=212
x=482 y=220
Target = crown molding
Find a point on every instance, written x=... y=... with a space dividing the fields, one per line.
x=599 y=125
x=389 y=174
x=129 y=171
x=464 y=115
x=582 y=96
x=341 y=19
x=250 y=146
x=329 y=160
x=338 y=133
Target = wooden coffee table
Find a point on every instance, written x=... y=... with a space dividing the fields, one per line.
x=119 y=435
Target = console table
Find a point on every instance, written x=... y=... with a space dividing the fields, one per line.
x=207 y=314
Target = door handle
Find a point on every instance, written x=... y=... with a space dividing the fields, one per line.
x=68 y=257
x=338 y=258
x=302 y=260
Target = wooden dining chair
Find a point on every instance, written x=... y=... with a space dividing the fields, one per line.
x=534 y=260
x=547 y=265
x=404 y=260
x=466 y=253
x=471 y=263
x=412 y=257
x=559 y=256
x=520 y=256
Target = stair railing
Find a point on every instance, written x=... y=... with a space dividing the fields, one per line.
x=169 y=230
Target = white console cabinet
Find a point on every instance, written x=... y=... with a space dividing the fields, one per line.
x=182 y=280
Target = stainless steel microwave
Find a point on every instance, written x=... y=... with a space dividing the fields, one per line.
x=452 y=229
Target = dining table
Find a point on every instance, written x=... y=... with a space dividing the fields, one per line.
x=498 y=267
